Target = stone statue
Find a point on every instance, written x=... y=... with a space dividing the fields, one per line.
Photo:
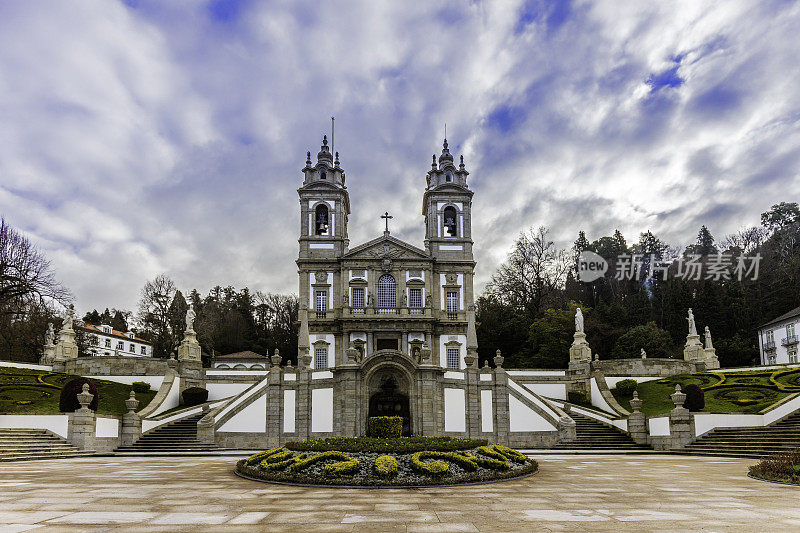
x=49 y=335
x=644 y=354
x=579 y=321
x=403 y=299
x=190 y=316
x=70 y=317
x=692 y=326
x=709 y=344
x=371 y=300
x=427 y=300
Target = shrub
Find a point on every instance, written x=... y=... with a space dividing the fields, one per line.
x=576 y=397
x=695 y=398
x=385 y=466
x=342 y=468
x=494 y=461
x=400 y=445
x=434 y=468
x=68 y=401
x=194 y=396
x=779 y=467
x=511 y=453
x=386 y=427
x=304 y=463
x=260 y=456
x=627 y=387
x=140 y=386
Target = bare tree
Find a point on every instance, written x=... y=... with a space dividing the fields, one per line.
x=154 y=313
x=26 y=276
x=533 y=273
x=746 y=240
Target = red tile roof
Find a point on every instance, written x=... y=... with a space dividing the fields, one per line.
x=247 y=354
x=114 y=333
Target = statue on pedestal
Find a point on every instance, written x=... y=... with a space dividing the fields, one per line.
x=692 y=326
x=190 y=316
x=579 y=321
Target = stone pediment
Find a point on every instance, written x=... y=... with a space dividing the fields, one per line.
x=386 y=247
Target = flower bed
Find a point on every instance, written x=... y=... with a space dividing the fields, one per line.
x=367 y=462
x=782 y=467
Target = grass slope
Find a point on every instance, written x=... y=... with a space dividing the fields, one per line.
x=36 y=391
x=725 y=392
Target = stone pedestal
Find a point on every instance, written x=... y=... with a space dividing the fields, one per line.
x=681 y=421
x=637 y=422
x=189 y=350
x=711 y=359
x=566 y=429
x=81 y=425
x=502 y=426
x=579 y=352
x=205 y=428
x=693 y=349
x=131 y=422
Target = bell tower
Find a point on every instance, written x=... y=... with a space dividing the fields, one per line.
x=447 y=207
x=324 y=207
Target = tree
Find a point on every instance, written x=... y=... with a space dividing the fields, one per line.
x=28 y=294
x=780 y=216
x=551 y=336
x=177 y=319
x=25 y=274
x=705 y=243
x=154 y=316
x=532 y=275
x=654 y=340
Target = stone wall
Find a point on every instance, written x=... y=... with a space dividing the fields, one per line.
x=117 y=366
x=644 y=367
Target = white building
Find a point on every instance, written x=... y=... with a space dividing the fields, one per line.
x=778 y=339
x=246 y=360
x=108 y=342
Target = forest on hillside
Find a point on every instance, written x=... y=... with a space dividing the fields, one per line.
x=527 y=310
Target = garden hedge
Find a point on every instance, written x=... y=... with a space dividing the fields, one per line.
x=385 y=427
x=194 y=396
x=68 y=401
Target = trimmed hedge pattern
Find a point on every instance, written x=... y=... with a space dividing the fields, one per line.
x=400 y=445
x=423 y=467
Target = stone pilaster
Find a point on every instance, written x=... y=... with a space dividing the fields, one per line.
x=274 y=392
x=302 y=417
x=681 y=421
x=206 y=427
x=637 y=422
x=131 y=422
x=348 y=419
x=502 y=426
x=81 y=425
x=567 y=430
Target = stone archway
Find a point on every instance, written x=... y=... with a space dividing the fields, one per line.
x=390 y=390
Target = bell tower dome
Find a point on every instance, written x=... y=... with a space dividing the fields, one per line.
x=447 y=207
x=324 y=207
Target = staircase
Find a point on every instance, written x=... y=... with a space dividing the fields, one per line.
x=754 y=442
x=598 y=437
x=175 y=438
x=32 y=444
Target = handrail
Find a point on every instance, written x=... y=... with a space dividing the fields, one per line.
x=170 y=378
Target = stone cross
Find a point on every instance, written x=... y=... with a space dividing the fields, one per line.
x=386 y=216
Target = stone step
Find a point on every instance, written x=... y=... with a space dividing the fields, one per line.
x=32 y=456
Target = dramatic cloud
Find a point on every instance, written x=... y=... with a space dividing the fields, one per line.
x=147 y=136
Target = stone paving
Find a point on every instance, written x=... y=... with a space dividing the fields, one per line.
x=575 y=493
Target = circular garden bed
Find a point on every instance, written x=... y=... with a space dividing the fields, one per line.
x=387 y=462
x=780 y=468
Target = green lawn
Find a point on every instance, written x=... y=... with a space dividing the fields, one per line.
x=37 y=391
x=731 y=392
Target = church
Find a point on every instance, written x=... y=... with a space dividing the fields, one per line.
x=386 y=294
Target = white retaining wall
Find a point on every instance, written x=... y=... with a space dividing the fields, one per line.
x=56 y=423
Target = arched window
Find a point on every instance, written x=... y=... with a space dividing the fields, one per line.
x=450 y=217
x=387 y=292
x=448 y=177
x=322 y=175
x=321 y=220
x=240 y=366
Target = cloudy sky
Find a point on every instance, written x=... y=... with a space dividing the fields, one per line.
x=146 y=136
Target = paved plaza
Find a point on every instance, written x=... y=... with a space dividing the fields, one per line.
x=576 y=493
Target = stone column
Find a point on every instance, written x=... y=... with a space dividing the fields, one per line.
x=502 y=421
x=81 y=426
x=131 y=422
x=681 y=421
x=637 y=422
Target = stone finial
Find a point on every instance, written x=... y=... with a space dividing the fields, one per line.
x=461 y=164
x=308 y=158
x=132 y=403
x=336 y=161
x=678 y=398
x=597 y=357
x=85 y=397
x=498 y=359
x=433 y=164
x=276 y=358
x=636 y=403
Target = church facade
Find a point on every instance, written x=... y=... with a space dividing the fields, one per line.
x=386 y=294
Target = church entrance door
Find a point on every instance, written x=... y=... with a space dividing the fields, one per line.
x=389 y=401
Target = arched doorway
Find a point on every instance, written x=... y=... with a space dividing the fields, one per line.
x=390 y=400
